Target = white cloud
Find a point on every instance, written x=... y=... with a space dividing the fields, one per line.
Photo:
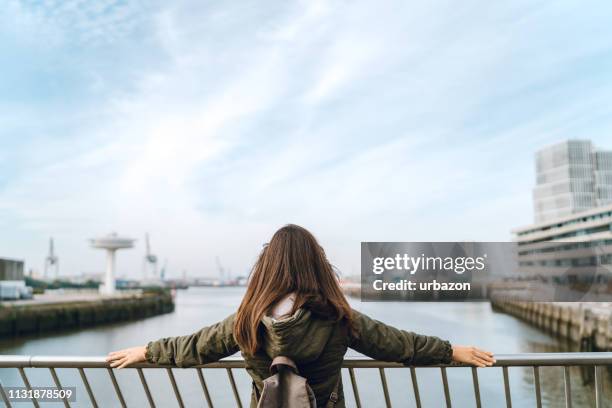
x=218 y=123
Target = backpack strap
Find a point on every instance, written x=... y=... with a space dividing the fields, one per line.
x=333 y=397
x=282 y=361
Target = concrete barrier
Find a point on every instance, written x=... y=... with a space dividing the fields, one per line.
x=588 y=324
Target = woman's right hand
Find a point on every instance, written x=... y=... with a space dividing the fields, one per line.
x=473 y=356
x=126 y=357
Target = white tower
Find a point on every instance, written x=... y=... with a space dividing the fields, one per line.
x=111 y=243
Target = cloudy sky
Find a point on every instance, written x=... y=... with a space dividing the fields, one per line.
x=211 y=124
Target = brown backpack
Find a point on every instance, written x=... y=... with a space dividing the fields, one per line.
x=287 y=389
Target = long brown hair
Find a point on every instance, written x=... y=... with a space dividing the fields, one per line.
x=293 y=262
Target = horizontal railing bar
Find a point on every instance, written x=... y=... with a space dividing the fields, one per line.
x=502 y=360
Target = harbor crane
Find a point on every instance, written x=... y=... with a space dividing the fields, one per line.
x=150 y=261
x=162 y=272
x=51 y=261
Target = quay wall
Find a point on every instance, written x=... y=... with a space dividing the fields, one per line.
x=587 y=324
x=37 y=318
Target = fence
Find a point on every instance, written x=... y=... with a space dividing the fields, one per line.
x=590 y=361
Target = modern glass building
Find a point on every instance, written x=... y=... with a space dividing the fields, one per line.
x=576 y=247
x=571 y=177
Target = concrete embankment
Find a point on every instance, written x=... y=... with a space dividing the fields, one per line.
x=586 y=324
x=72 y=312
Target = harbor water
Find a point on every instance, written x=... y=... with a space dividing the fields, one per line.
x=461 y=323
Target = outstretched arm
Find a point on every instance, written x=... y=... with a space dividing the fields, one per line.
x=382 y=342
x=210 y=344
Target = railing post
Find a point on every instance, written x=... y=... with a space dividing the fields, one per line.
x=204 y=387
x=92 y=399
x=598 y=388
x=234 y=388
x=383 y=380
x=476 y=387
x=58 y=385
x=177 y=394
x=27 y=384
x=536 y=383
x=4 y=397
x=145 y=386
x=415 y=387
x=354 y=385
x=116 y=387
x=507 y=387
x=568 y=387
x=447 y=397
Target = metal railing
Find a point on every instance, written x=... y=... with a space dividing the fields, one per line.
x=594 y=361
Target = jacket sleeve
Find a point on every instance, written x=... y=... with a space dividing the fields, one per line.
x=210 y=344
x=382 y=342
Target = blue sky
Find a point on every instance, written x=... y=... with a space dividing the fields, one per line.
x=211 y=124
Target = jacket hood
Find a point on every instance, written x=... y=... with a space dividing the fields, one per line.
x=301 y=336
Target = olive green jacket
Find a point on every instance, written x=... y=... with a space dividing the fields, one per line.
x=316 y=345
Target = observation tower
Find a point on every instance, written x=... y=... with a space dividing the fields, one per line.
x=111 y=242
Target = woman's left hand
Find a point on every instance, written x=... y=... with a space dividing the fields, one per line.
x=126 y=357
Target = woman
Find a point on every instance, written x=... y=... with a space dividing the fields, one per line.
x=294 y=307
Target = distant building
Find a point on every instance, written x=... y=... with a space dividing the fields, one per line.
x=571 y=177
x=571 y=239
x=12 y=285
x=11 y=270
x=575 y=247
